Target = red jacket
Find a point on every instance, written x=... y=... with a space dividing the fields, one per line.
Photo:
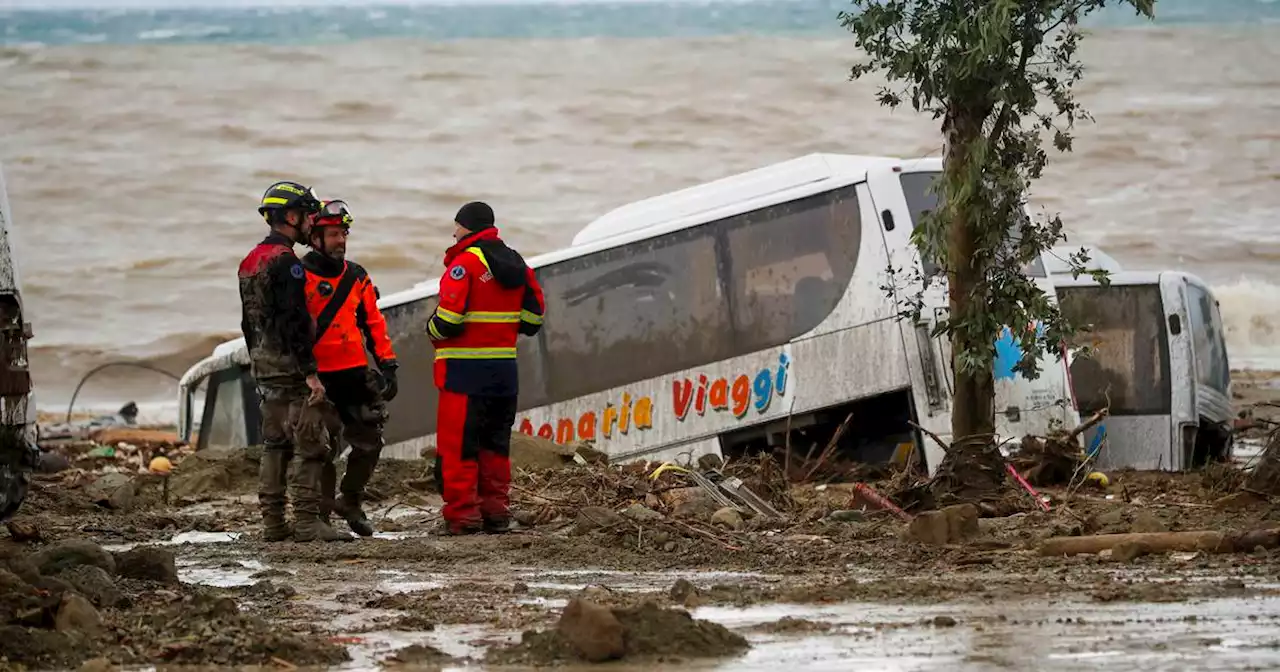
x=488 y=297
x=344 y=330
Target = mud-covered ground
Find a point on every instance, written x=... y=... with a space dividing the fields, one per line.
x=612 y=564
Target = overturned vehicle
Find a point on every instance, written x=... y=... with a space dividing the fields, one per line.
x=742 y=315
x=18 y=452
x=1158 y=364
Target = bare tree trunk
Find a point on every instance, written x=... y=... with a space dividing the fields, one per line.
x=973 y=467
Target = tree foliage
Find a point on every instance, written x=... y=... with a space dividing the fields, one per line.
x=999 y=75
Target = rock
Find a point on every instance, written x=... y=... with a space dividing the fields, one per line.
x=944 y=622
x=95 y=584
x=962 y=522
x=685 y=593
x=519 y=587
x=847 y=516
x=76 y=613
x=930 y=527
x=67 y=554
x=594 y=518
x=1127 y=551
x=710 y=461
x=115 y=491
x=596 y=594
x=652 y=501
x=148 y=564
x=52 y=462
x=728 y=518
x=1148 y=522
x=22 y=531
x=420 y=654
x=592 y=630
x=97 y=665
x=1111 y=521
x=641 y=514
x=688 y=502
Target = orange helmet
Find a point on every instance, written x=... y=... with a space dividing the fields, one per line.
x=334 y=213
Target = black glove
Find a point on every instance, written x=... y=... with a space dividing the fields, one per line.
x=389 y=387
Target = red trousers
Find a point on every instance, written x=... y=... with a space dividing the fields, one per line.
x=473 y=450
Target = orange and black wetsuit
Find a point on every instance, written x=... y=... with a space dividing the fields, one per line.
x=488 y=297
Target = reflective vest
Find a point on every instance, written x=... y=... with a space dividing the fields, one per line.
x=344 y=328
x=488 y=297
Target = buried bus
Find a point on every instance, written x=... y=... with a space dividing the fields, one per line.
x=1159 y=364
x=738 y=315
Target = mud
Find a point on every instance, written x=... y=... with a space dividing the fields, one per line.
x=143 y=578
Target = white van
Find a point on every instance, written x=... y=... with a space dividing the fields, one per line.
x=1160 y=365
x=18 y=451
x=715 y=319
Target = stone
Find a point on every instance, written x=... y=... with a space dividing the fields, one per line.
x=594 y=518
x=641 y=514
x=592 y=630
x=728 y=518
x=1146 y=521
x=67 y=554
x=930 y=527
x=962 y=522
x=1127 y=552
x=847 y=516
x=115 y=491
x=75 y=613
x=685 y=593
x=95 y=584
x=148 y=564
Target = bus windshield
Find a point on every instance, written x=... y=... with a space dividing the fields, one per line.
x=921 y=200
x=1128 y=370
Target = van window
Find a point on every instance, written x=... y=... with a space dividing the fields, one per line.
x=634 y=312
x=226 y=426
x=1206 y=330
x=412 y=412
x=921 y=200
x=789 y=266
x=1130 y=364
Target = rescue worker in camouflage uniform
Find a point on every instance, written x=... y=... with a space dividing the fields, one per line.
x=342 y=300
x=279 y=334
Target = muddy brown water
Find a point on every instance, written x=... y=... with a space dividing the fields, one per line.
x=1233 y=624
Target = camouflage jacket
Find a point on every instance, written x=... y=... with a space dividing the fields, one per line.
x=277 y=328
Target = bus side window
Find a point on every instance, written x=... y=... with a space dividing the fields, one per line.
x=790 y=265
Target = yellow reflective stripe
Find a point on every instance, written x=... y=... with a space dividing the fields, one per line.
x=274 y=200
x=531 y=318
x=475 y=353
x=448 y=316
x=433 y=332
x=480 y=255
x=490 y=317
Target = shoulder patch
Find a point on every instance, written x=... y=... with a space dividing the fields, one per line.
x=296 y=271
x=457 y=272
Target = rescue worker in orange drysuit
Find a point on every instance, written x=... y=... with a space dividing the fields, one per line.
x=488 y=296
x=342 y=300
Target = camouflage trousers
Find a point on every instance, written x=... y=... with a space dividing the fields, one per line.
x=292 y=427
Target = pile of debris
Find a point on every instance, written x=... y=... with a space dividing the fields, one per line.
x=108 y=443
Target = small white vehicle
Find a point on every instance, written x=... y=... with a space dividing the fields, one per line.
x=1159 y=364
x=18 y=451
x=721 y=318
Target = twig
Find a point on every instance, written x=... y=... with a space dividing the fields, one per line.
x=706 y=534
x=830 y=448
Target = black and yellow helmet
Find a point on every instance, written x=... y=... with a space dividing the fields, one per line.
x=288 y=195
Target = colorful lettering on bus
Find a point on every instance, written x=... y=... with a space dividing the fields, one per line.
x=736 y=395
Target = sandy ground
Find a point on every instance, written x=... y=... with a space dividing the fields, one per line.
x=836 y=584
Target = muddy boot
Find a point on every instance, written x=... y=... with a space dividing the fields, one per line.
x=360 y=465
x=306 y=505
x=498 y=525
x=448 y=529
x=272 y=474
x=348 y=506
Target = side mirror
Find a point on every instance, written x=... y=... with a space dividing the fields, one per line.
x=1175 y=325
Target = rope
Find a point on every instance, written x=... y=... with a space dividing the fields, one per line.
x=139 y=365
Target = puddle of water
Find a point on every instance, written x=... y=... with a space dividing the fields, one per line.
x=179 y=539
x=631 y=581
x=409 y=586
x=190 y=571
x=459 y=641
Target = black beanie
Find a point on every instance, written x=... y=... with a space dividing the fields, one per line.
x=475 y=216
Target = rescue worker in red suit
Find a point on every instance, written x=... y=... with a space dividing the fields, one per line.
x=342 y=300
x=488 y=296
x=278 y=333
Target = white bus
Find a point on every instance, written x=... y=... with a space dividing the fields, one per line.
x=18 y=452
x=1159 y=363
x=715 y=319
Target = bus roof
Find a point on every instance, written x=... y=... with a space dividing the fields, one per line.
x=1056 y=261
x=741 y=189
x=725 y=197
